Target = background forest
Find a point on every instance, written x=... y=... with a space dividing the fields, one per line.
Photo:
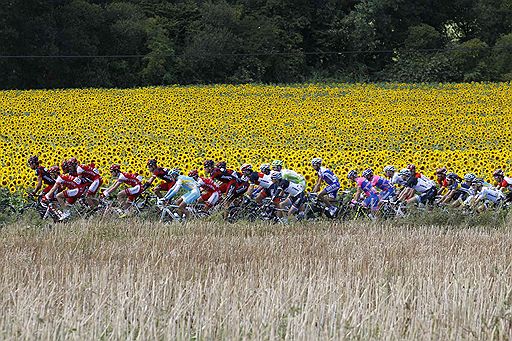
x=95 y=43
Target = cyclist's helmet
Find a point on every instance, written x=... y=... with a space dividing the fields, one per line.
x=174 y=172
x=478 y=181
x=54 y=170
x=65 y=166
x=389 y=169
x=441 y=171
x=316 y=162
x=115 y=167
x=470 y=177
x=193 y=173
x=452 y=176
x=405 y=172
x=151 y=163
x=411 y=167
x=33 y=160
x=221 y=165
x=73 y=161
x=208 y=164
x=276 y=176
x=367 y=173
x=277 y=163
x=246 y=167
x=498 y=172
x=265 y=168
x=351 y=174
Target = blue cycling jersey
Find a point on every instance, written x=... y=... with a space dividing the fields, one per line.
x=328 y=176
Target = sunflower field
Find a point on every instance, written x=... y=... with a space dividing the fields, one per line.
x=463 y=127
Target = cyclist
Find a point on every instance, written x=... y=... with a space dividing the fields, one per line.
x=209 y=189
x=424 y=191
x=387 y=190
x=416 y=174
x=192 y=192
x=484 y=195
x=43 y=177
x=90 y=175
x=67 y=189
x=295 y=196
x=392 y=176
x=131 y=180
x=442 y=182
x=330 y=192
x=261 y=181
x=503 y=183
x=232 y=184
x=161 y=173
x=364 y=187
x=73 y=164
x=453 y=187
x=288 y=174
x=466 y=191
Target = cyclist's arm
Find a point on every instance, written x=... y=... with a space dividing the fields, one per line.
x=39 y=184
x=316 y=188
x=150 y=180
x=172 y=192
x=111 y=189
x=357 y=194
x=52 y=191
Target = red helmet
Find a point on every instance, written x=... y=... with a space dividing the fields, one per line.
x=151 y=163
x=193 y=173
x=115 y=168
x=54 y=170
x=208 y=164
x=498 y=172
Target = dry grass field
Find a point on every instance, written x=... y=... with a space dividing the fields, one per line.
x=205 y=281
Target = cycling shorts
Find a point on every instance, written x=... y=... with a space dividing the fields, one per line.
x=72 y=195
x=210 y=198
x=387 y=194
x=371 y=202
x=133 y=192
x=332 y=190
x=191 y=196
x=428 y=196
x=298 y=200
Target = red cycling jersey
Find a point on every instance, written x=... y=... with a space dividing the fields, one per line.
x=208 y=185
x=130 y=179
x=89 y=172
x=69 y=181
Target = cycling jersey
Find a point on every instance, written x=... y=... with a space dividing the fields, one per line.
x=260 y=179
x=289 y=187
x=129 y=179
x=506 y=183
x=225 y=176
x=89 y=172
x=328 y=176
x=69 y=181
x=383 y=184
x=207 y=184
x=365 y=186
x=45 y=176
x=491 y=194
x=294 y=177
x=397 y=180
x=420 y=185
x=164 y=174
x=189 y=185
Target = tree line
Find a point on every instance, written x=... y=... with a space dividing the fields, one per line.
x=99 y=43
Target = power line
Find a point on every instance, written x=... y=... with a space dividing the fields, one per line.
x=255 y=54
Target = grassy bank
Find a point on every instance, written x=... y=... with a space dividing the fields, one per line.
x=129 y=280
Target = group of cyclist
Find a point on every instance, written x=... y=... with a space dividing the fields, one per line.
x=63 y=185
